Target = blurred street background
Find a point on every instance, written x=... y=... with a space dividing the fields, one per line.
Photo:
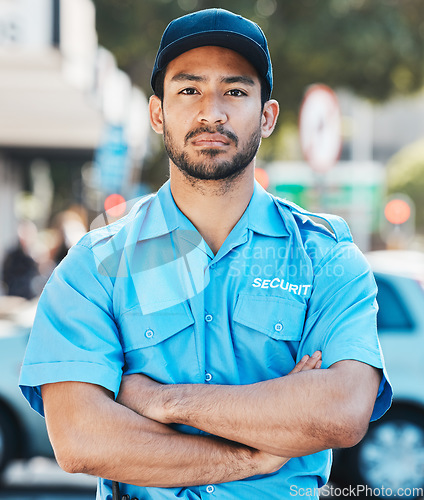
x=76 y=150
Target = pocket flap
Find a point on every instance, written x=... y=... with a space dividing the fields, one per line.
x=281 y=319
x=140 y=330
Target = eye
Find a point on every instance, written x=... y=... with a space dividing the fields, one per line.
x=236 y=93
x=189 y=91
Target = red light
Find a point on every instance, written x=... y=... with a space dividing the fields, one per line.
x=115 y=205
x=397 y=211
x=262 y=177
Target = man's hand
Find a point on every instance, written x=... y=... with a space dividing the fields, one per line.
x=146 y=397
x=308 y=363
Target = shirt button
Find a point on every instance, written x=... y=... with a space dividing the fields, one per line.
x=149 y=333
x=208 y=377
x=278 y=327
x=210 y=489
x=212 y=266
x=208 y=318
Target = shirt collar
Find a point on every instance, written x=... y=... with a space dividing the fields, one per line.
x=163 y=216
x=263 y=214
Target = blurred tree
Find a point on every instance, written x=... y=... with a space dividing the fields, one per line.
x=405 y=174
x=373 y=47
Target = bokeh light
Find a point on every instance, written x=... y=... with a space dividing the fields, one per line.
x=115 y=205
x=262 y=177
x=397 y=211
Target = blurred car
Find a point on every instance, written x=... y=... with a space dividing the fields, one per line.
x=23 y=432
x=391 y=455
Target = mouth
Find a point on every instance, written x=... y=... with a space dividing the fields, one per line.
x=211 y=141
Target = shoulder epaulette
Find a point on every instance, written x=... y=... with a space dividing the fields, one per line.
x=339 y=227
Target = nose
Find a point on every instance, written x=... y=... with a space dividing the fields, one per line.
x=212 y=110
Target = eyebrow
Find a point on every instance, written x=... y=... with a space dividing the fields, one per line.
x=181 y=77
x=239 y=79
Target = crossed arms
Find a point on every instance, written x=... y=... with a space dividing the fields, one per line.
x=256 y=428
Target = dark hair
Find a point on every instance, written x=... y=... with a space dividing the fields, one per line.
x=159 y=82
x=160 y=79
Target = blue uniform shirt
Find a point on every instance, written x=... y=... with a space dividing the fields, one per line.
x=146 y=294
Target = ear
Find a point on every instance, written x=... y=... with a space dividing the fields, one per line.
x=156 y=114
x=269 y=117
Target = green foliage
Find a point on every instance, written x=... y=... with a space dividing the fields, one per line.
x=373 y=47
x=405 y=174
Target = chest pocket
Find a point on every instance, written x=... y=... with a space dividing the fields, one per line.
x=139 y=331
x=280 y=319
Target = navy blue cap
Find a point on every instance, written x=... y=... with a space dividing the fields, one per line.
x=217 y=27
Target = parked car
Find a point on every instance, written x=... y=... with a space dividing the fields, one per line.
x=391 y=455
x=22 y=431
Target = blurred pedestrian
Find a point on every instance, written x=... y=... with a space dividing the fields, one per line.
x=68 y=226
x=20 y=269
x=178 y=351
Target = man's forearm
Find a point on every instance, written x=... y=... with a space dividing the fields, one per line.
x=93 y=434
x=290 y=416
x=257 y=415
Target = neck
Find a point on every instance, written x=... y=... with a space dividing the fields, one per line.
x=213 y=207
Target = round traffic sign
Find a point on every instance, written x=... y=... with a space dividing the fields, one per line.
x=320 y=127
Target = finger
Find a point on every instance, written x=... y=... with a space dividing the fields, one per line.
x=313 y=361
x=299 y=366
x=308 y=362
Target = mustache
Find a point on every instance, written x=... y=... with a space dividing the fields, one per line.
x=220 y=129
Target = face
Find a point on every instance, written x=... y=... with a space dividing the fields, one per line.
x=211 y=116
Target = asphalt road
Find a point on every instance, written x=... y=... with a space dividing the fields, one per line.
x=42 y=479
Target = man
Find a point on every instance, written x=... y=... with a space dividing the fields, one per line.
x=165 y=346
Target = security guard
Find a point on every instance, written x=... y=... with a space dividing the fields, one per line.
x=215 y=342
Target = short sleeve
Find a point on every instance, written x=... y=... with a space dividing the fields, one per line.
x=74 y=336
x=341 y=319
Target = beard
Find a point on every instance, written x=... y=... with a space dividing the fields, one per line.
x=210 y=167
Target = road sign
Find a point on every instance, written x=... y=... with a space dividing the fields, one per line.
x=320 y=127
x=353 y=190
x=112 y=160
